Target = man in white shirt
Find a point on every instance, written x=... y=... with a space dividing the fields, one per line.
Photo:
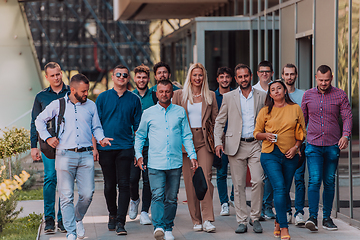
x=74 y=157
x=240 y=108
x=265 y=73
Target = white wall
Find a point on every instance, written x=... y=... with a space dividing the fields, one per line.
x=19 y=71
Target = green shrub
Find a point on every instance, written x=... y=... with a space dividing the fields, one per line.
x=25 y=228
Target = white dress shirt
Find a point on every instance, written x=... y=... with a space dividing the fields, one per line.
x=247 y=114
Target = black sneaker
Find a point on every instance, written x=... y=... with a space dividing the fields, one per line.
x=49 y=225
x=120 y=230
x=311 y=224
x=61 y=227
x=112 y=223
x=328 y=224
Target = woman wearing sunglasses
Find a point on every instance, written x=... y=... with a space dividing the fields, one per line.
x=280 y=124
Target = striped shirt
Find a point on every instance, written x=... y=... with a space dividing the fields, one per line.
x=321 y=113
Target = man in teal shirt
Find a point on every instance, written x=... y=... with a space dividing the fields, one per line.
x=141 y=79
x=167 y=128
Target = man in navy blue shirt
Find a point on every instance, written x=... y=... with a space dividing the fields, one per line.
x=224 y=78
x=120 y=113
x=56 y=90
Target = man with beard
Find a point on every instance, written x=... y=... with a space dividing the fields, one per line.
x=289 y=74
x=74 y=156
x=239 y=110
x=120 y=114
x=56 y=90
x=322 y=106
x=167 y=128
x=224 y=78
x=161 y=72
x=141 y=79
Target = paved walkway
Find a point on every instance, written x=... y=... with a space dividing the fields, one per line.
x=95 y=223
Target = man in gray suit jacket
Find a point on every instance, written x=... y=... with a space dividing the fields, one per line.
x=240 y=108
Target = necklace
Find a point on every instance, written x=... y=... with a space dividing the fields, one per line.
x=197 y=95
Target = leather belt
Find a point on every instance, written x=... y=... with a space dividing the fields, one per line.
x=83 y=149
x=248 y=139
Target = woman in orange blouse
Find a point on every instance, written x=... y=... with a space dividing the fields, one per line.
x=201 y=106
x=276 y=125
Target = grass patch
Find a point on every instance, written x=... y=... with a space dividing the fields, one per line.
x=25 y=228
x=36 y=194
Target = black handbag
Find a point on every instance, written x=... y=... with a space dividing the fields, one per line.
x=199 y=183
x=53 y=130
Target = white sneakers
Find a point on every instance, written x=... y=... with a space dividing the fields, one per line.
x=169 y=235
x=71 y=237
x=231 y=202
x=225 y=211
x=80 y=230
x=134 y=208
x=208 y=227
x=144 y=218
x=299 y=220
x=159 y=234
x=197 y=227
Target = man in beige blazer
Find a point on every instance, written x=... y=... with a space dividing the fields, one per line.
x=240 y=108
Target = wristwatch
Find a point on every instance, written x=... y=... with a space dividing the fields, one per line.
x=347 y=137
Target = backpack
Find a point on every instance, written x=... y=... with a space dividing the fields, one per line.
x=45 y=148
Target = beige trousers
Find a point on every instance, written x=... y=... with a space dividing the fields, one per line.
x=199 y=210
x=247 y=155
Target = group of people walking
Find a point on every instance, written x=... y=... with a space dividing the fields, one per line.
x=161 y=132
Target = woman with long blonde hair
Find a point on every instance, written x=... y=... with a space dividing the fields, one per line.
x=201 y=108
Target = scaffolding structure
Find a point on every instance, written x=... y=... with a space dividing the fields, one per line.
x=82 y=35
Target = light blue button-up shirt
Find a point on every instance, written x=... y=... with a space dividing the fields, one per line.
x=167 y=129
x=81 y=121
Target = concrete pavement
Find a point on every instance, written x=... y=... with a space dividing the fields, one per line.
x=95 y=223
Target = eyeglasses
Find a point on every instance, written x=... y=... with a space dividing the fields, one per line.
x=262 y=72
x=125 y=75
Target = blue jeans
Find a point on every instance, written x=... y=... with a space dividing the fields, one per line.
x=49 y=189
x=322 y=165
x=280 y=171
x=70 y=166
x=299 y=187
x=268 y=194
x=221 y=181
x=164 y=186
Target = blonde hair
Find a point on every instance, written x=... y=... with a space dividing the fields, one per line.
x=205 y=91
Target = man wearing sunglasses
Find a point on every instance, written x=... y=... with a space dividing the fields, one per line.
x=120 y=112
x=265 y=73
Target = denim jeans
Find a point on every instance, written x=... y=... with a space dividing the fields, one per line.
x=70 y=166
x=268 y=194
x=280 y=171
x=164 y=186
x=135 y=174
x=116 y=165
x=49 y=189
x=221 y=181
x=299 y=186
x=322 y=165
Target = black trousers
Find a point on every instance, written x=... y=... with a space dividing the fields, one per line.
x=116 y=165
x=135 y=174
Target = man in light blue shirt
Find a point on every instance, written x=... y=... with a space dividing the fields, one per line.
x=167 y=129
x=74 y=157
x=289 y=74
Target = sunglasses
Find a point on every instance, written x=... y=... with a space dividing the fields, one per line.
x=125 y=75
